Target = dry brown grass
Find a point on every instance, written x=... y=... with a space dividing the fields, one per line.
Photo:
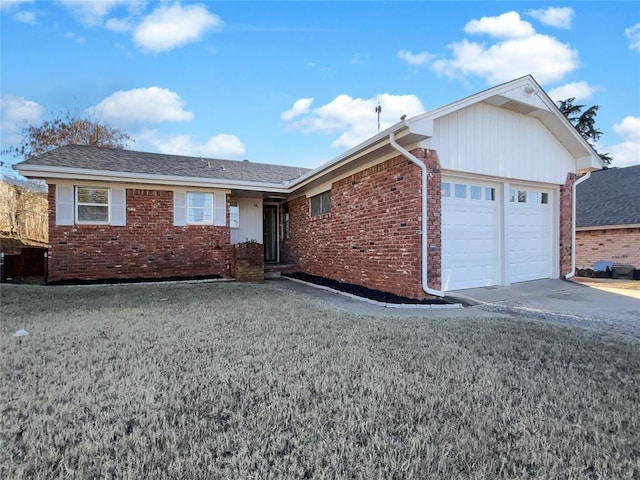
x=251 y=381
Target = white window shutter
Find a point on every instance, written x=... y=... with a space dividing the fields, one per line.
x=220 y=209
x=64 y=205
x=119 y=207
x=179 y=208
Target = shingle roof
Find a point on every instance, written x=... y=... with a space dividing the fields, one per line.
x=609 y=197
x=129 y=161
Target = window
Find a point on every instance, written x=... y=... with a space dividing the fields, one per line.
x=321 y=204
x=234 y=215
x=476 y=192
x=490 y=193
x=544 y=198
x=534 y=197
x=200 y=208
x=522 y=196
x=446 y=189
x=512 y=195
x=460 y=190
x=92 y=204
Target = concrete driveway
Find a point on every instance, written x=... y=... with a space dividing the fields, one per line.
x=561 y=301
x=557 y=301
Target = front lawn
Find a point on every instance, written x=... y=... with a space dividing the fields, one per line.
x=239 y=381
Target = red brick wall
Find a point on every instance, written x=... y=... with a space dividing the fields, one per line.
x=372 y=236
x=566 y=224
x=619 y=245
x=247 y=262
x=149 y=246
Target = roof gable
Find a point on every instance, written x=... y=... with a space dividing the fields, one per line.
x=525 y=96
x=609 y=198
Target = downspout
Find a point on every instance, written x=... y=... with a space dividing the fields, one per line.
x=573 y=225
x=423 y=169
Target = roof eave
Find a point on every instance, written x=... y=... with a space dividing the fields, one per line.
x=407 y=132
x=67 y=173
x=607 y=227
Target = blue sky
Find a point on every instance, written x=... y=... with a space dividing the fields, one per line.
x=297 y=83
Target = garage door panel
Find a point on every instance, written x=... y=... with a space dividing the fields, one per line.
x=469 y=236
x=530 y=234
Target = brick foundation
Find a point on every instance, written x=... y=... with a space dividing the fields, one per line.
x=372 y=236
x=618 y=245
x=149 y=246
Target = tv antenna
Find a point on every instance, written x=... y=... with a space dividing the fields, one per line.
x=378 y=111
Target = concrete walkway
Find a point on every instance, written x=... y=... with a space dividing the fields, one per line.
x=557 y=301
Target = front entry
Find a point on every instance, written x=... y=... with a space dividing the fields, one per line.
x=270 y=233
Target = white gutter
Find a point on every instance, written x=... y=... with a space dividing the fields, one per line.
x=573 y=225
x=425 y=251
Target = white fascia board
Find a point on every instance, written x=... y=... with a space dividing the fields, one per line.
x=607 y=227
x=47 y=171
x=588 y=164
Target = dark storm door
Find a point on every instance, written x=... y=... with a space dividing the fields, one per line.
x=270 y=232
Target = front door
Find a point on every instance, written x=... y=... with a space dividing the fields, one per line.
x=270 y=232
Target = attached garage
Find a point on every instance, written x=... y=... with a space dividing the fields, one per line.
x=488 y=239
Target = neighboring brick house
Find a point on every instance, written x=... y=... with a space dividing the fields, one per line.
x=608 y=217
x=492 y=174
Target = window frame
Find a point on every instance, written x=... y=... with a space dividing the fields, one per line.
x=78 y=204
x=189 y=207
x=324 y=201
x=234 y=214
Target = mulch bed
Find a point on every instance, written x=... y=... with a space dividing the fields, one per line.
x=111 y=281
x=365 y=292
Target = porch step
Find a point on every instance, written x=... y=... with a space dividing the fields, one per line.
x=275 y=270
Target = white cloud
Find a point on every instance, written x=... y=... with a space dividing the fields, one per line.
x=26 y=17
x=577 y=90
x=414 y=58
x=91 y=13
x=14 y=112
x=172 y=26
x=355 y=119
x=519 y=51
x=222 y=145
x=11 y=4
x=299 y=107
x=633 y=34
x=627 y=152
x=119 y=24
x=559 y=17
x=507 y=25
x=153 y=105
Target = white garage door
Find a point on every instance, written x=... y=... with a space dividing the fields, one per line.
x=530 y=226
x=470 y=235
x=472 y=249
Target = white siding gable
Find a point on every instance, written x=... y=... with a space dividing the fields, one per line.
x=489 y=140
